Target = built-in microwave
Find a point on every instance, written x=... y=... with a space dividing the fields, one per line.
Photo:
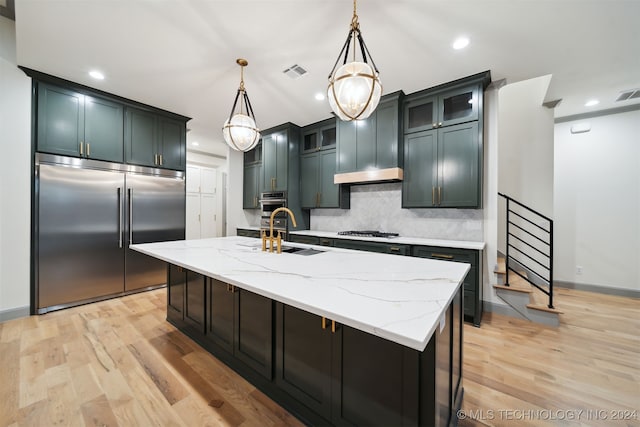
x=269 y=202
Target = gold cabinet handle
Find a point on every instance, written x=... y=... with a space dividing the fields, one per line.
x=394 y=249
x=88 y=149
x=161 y=159
x=433 y=197
x=333 y=326
x=324 y=323
x=81 y=148
x=435 y=125
x=443 y=256
x=155 y=159
x=439 y=196
x=439 y=124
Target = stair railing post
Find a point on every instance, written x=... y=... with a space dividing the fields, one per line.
x=551 y=264
x=506 y=260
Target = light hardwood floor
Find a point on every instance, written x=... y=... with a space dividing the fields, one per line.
x=118 y=362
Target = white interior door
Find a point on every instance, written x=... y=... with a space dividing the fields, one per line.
x=208 y=217
x=192 y=226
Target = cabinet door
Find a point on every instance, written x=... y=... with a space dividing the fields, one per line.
x=376 y=383
x=458 y=106
x=193 y=179
x=208 y=182
x=103 y=129
x=443 y=370
x=176 y=281
x=420 y=170
x=328 y=136
x=221 y=314
x=309 y=186
x=194 y=308
x=208 y=220
x=140 y=137
x=250 y=187
x=60 y=120
x=303 y=359
x=275 y=151
x=192 y=216
x=387 y=135
x=253 y=343
x=459 y=154
x=346 y=160
x=171 y=143
x=420 y=114
x=310 y=140
x=329 y=192
x=366 y=143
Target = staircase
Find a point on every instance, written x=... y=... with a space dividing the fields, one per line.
x=520 y=295
x=525 y=272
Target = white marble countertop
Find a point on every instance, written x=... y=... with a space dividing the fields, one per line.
x=398 y=298
x=460 y=244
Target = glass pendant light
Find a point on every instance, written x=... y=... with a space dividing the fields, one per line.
x=240 y=131
x=354 y=88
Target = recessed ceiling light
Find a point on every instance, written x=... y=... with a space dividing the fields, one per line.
x=96 y=74
x=195 y=143
x=591 y=103
x=320 y=96
x=461 y=43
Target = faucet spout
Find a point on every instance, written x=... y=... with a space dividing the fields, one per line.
x=279 y=238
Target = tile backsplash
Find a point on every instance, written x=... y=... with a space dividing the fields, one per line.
x=379 y=207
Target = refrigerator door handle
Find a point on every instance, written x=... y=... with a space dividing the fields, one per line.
x=130 y=190
x=120 y=217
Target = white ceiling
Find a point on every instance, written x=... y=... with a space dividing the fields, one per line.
x=180 y=55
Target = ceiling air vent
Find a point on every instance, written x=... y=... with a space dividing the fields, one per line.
x=628 y=94
x=295 y=71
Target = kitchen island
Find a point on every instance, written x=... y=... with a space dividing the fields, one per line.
x=335 y=336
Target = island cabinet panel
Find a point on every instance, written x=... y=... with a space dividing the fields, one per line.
x=241 y=323
x=186 y=298
x=303 y=358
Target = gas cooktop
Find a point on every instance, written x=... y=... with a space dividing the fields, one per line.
x=367 y=233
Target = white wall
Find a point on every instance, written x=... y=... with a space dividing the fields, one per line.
x=597 y=202
x=236 y=216
x=15 y=174
x=525 y=157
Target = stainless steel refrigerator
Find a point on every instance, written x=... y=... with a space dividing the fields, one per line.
x=87 y=213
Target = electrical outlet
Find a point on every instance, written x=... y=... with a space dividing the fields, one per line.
x=578 y=269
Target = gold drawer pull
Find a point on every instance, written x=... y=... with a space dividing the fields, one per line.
x=324 y=323
x=394 y=249
x=442 y=256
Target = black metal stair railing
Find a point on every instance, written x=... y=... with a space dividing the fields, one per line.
x=529 y=246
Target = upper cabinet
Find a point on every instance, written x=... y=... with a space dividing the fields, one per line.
x=252 y=184
x=71 y=123
x=154 y=140
x=373 y=143
x=275 y=160
x=430 y=111
x=78 y=121
x=443 y=147
x=318 y=166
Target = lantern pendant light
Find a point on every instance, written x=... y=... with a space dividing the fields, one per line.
x=240 y=131
x=354 y=88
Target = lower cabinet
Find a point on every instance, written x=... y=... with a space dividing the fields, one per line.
x=473 y=307
x=323 y=372
x=245 y=232
x=385 y=248
x=240 y=322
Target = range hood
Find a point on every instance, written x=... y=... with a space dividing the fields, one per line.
x=367 y=176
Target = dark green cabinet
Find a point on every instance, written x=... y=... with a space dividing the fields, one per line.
x=245 y=232
x=303 y=358
x=275 y=160
x=319 y=136
x=373 y=143
x=252 y=176
x=241 y=323
x=442 y=168
x=380 y=247
x=317 y=189
x=429 y=110
x=473 y=290
x=186 y=298
x=151 y=139
x=72 y=123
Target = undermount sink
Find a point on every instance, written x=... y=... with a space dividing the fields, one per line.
x=300 y=251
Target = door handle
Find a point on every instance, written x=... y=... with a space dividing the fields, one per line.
x=120 y=217
x=130 y=190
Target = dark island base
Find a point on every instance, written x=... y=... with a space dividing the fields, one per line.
x=322 y=372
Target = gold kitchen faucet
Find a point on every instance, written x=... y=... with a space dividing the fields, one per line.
x=278 y=239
